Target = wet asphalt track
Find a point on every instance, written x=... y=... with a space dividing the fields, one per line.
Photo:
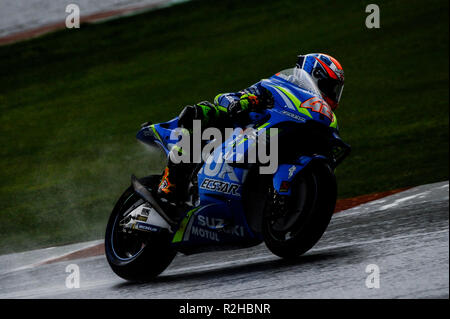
x=406 y=235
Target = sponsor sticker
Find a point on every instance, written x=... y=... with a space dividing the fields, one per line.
x=145 y=211
x=146 y=227
x=142 y=218
x=294 y=116
x=220 y=186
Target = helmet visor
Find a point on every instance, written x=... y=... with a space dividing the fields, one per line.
x=332 y=88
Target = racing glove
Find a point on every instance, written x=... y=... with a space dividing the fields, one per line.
x=247 y=103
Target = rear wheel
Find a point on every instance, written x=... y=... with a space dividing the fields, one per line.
x=136 y=255
x=294 y=224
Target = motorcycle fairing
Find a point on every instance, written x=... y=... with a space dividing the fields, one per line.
x=291 y=98
x=213 y=224
x=286 y=173
x=159 y=135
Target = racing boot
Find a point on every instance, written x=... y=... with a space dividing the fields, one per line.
x=167 y=188
x=170 y=191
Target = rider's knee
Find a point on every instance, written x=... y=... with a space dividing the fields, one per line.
x=187 y=115
x=204 y=111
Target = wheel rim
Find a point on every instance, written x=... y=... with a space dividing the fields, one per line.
x=124 y=244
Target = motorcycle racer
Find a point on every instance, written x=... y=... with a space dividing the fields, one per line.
x=232 y=109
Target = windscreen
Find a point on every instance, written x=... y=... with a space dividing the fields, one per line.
x=300 y=78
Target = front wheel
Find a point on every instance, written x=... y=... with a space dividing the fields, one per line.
x=136 y=255
x=294 y=224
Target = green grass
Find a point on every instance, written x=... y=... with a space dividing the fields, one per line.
x=71 y=102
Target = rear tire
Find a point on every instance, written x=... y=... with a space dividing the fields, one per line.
x=140 y=256
x=308 y=211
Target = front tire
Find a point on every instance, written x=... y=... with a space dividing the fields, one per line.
x=136 y=256
x=293 y=224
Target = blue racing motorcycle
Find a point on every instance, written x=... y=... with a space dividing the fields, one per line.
x=229 y=204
